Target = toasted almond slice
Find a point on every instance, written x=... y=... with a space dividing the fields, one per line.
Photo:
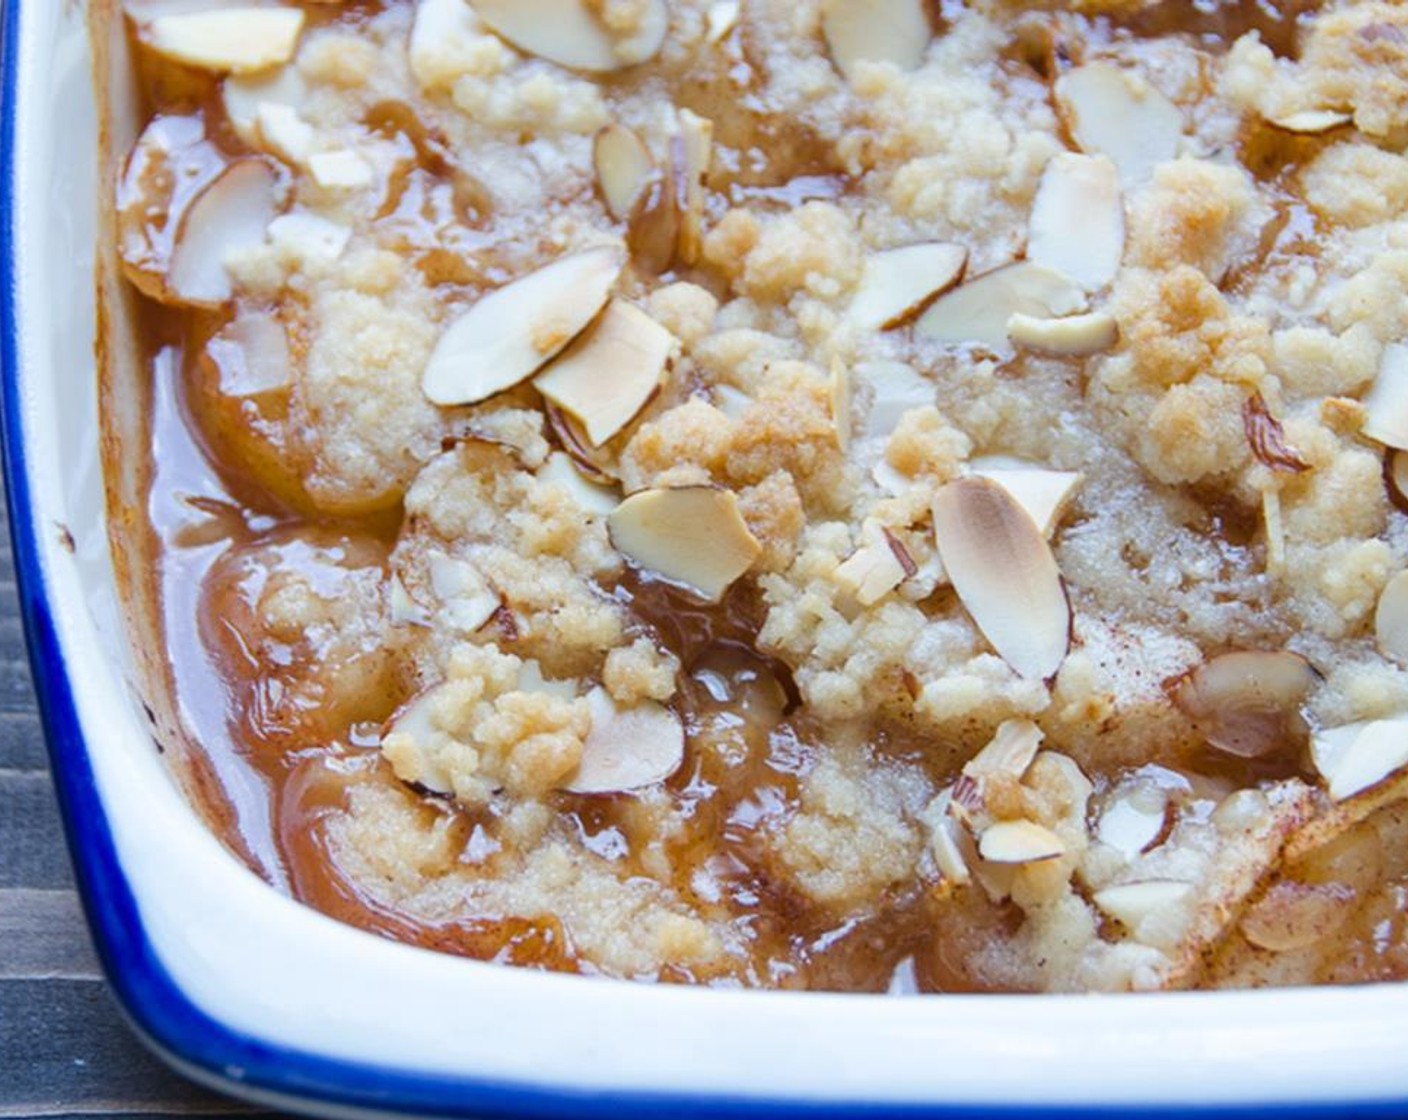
x=1019 y=842
x=467 y=602
x=623 y=168
x=609 y=373
x=591 y=496
x=282 y=132
x=340 y=170
x=511 y=332
x=1044 y=494
x=599 y=464
x=1073 y=336
x=569 y=32
x=1292 y=915
x=1398 y=474
x=895 y=389
x=897 y=284
x=1247 y=703
x=1358 y=756
x=627 y=748
x=893 y=31
x=720 y=19
x=1131 y=904
x=231 y=215
x=946 y=840
x=252 y=355
x=234 y=40
x=243 y=94
x=1004 y=573
x=876 y=568
x=1113 y=112
x=1387 y=400
x=1077 y=222
x=1010 y=751
x=531 y=679
x=732 y=402
x=1311 y=121
x=1134 y=821
x=1391 y=618
x=441 y=28
x=841 y=403
x=407 y=734
x=691 y=153
x=889 y=479
x=403 y=606
x=310 y=236
x=694 y=535
x=979 y=311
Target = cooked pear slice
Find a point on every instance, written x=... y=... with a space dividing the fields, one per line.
x=1018 y=842
x=623 y=168
x=1247 y=703
x=1073 y=336
x=1358 y=756
x=979 y=311
x=511 y=332
x=226 y=40
x=897 y=284
x=627 y=748
x=1391 y=619
x=244 y=94
x=1077 y=221
x=569 y=32
x=1044 y=494
x=894 y=31
x=1113 y=112
x=230 y=215
x=610 y=372
x=593 y=497
x=1004 y=573
x=1131 y=904
x=1386 y=403
x=692 y=535
x=1310 y=121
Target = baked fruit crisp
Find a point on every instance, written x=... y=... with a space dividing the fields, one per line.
x=848 y=494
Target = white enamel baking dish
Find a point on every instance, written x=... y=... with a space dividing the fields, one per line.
x=250 y=992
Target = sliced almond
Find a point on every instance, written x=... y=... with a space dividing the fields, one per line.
x=627 y=748
x=1387 y=400
x=1113 y=112
x=572 y=34
x=340 y=170
x=1311 y=121
x=979 y=311
x=244 y=94
x=876 y=568
x=895 y=389
x=511 y=332
x=407 y=735
x=234 y=40
x=1132 y=904
x=1292 y=915
x=1133 y=821
x=403 y=607
x=897 y=284
x=1391 y=618
x=1077 y=221
x=893 y=31
x=609 y=372
x=693 y=535
x=1247 y=703
x=252 y=355
x=691 y=153
x=720 y=19
x=598 y=464
x=1004 y=573
x=732 y=402
x=283 y=133
x=1398 y=474
x=1358 y=756
x=1267 y=438
x=531 y=679
x=1073 y=336
x=591 y=496
x=840 y=391
x=441 y=28
x=1044 y=494
x=1018 y=842
x=467 y=601
x=1009 y=753
x=310 y=236
x=946 y=840
x=623 y=168
x=231 y=215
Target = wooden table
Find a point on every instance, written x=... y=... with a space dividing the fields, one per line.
x=64 y=1049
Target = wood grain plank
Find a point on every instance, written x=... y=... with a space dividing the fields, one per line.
x=32 y=852
x=64 y=1049
x=43 y=936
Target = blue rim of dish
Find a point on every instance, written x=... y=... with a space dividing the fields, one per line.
x=208 y=1050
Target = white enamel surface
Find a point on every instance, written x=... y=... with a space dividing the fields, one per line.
x=334 y=991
